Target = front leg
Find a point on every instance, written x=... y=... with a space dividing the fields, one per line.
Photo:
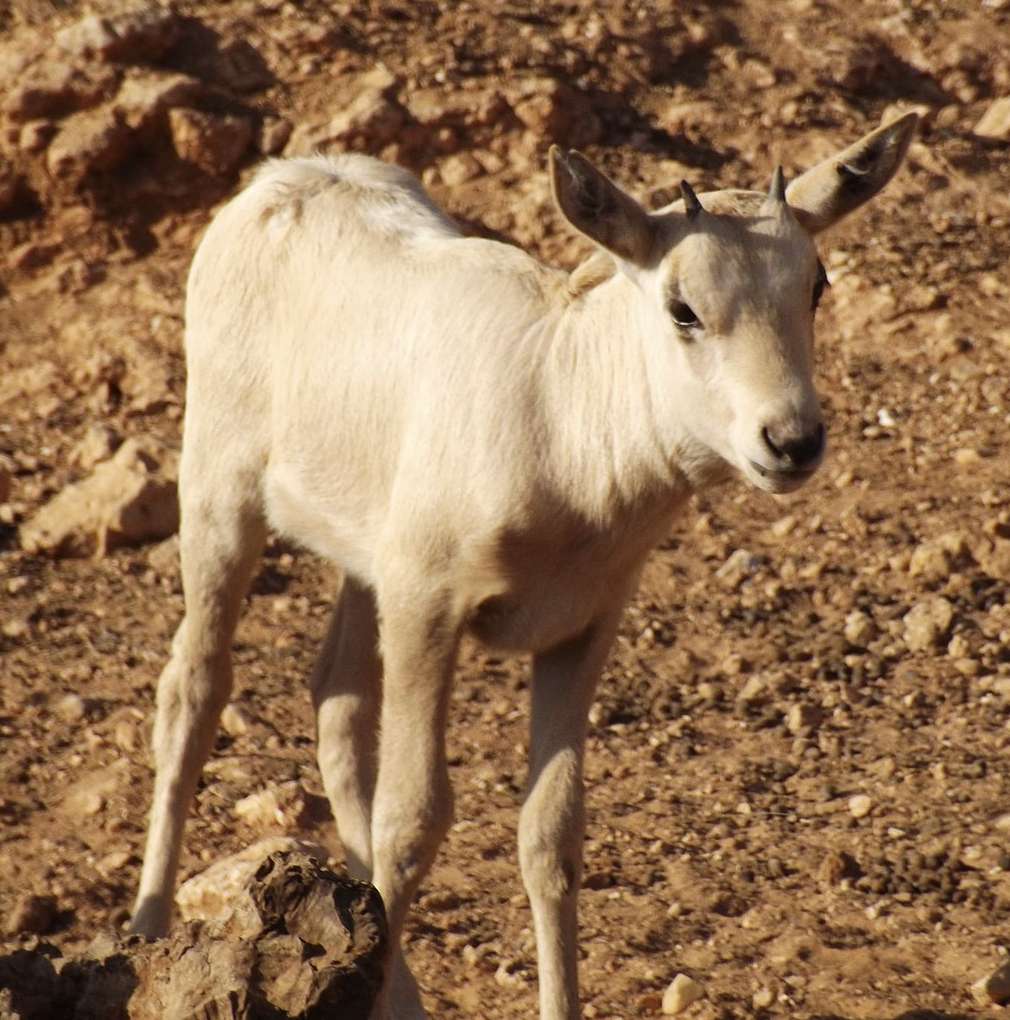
x=412 y=807
x=552 y=821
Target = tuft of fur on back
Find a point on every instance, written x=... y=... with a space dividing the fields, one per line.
x=389 y=198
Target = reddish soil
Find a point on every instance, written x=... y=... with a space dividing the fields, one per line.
x=740 y=713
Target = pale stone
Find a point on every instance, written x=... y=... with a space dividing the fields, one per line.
x=211 y=895
x=859 y=628
x=995 y=122
x=127 y=500
x=234 y=720
x=279 y=805
x=927 y=623
x=71 y=708
x=681 y=993
x=860 y=805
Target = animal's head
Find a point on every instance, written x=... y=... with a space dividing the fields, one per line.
x=726 y=291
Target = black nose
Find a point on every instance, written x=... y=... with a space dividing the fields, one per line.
x=799 y=449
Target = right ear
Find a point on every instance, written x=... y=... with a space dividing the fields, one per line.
x=598 y=208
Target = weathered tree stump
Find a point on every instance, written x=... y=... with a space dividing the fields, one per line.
x=301 y=942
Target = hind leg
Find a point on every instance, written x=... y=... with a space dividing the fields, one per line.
x=221 y=538
x=346 y=693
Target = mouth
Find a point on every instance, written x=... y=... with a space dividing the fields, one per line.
x=774 y=480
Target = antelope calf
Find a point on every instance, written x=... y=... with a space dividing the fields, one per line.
x=484 y=445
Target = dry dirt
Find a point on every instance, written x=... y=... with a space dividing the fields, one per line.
x=744 y=707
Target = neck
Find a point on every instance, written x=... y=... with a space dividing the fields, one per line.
x=607 y=454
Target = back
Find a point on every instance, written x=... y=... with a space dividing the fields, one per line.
x=351 y=328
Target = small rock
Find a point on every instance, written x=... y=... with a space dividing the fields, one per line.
x=681 y=993
x=738 y=566
x=860 y=629
x=926 y=624
x=214 y=143
x=764 y=997
x=860 y=805
x=6 y=484
x=753 y=690
x=32 y=915
x=929 y=561
x=803 y=719
x=995 y=122
x=283 y=805
x=71 y=708
x=234 y=720
x=210 y=895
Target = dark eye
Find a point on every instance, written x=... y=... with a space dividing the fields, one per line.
x=820 y=282
x=683 y=315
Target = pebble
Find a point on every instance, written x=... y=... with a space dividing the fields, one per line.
x=995 y=122
x=234 y=720
x=803 y=718
x=860 y=805
x=71 y=708
x=859 y=628
x=763 y=997
x=927 y=623
x=681 y=993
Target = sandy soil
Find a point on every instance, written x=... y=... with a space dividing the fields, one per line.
x=741 y=712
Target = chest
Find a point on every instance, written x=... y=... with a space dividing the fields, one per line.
x=544 y=589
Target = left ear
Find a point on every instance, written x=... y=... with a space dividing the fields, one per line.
x=842 y=183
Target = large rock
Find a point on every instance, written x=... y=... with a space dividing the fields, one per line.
x=127 y=500
x=53 y=88
x=302 y=942
x=212 y=894
x=144 y=97
x=88 y=143
x=138 y=35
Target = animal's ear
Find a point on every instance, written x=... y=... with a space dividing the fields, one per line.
x=597 y=207
x=842 y=183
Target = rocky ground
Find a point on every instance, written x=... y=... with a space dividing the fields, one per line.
x=798 y=770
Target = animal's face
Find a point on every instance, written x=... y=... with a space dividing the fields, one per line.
x=726 y=292
x=734 y=299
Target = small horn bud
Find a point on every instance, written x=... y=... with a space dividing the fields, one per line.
x=691 y=203
x=777 y=191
